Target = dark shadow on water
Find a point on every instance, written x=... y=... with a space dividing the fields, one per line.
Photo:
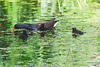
x=24 y=34
x=50 y=33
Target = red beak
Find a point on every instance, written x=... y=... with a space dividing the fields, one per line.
x=13 y=28
x=73 y=27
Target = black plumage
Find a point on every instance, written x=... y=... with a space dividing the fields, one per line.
x=24 y=35
x=50 y=24
x=43 y=28
x=26 y=26
x=75 y=31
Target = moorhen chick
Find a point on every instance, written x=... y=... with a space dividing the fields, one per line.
x=24 y=35
x=76 y=32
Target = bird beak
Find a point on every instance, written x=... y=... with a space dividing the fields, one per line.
x=13 y=28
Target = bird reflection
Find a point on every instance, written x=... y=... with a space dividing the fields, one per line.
x=24 y=34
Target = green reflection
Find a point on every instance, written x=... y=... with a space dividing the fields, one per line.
x=59 y=50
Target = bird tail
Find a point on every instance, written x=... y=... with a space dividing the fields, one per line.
x=56 y=22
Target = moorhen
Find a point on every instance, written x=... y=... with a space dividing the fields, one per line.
x=50 y=24
x=24 y=35
x=75 y=31
x=26 y=26
x=43 y=28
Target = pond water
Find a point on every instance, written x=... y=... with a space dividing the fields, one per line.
x=52 y=50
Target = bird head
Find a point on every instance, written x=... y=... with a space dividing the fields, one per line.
x=13 y=27
x=74 y=28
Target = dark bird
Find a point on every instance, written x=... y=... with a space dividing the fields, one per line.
x=43 y=28
x=50 y=24
x=26 y=26
x=74 y=35
x=75 y=31
x=24 y=35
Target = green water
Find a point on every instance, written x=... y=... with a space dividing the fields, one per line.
x=58 y=50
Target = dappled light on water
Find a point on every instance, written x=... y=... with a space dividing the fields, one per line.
x=39 y=33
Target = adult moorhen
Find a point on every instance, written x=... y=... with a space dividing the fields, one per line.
x=26 y=26
x=43 y=28
x=50 y=24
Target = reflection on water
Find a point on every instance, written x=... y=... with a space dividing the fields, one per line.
x=23 y=34
x=30 y=53
x=4 y=56
x=24 y=48
x=13 y=51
